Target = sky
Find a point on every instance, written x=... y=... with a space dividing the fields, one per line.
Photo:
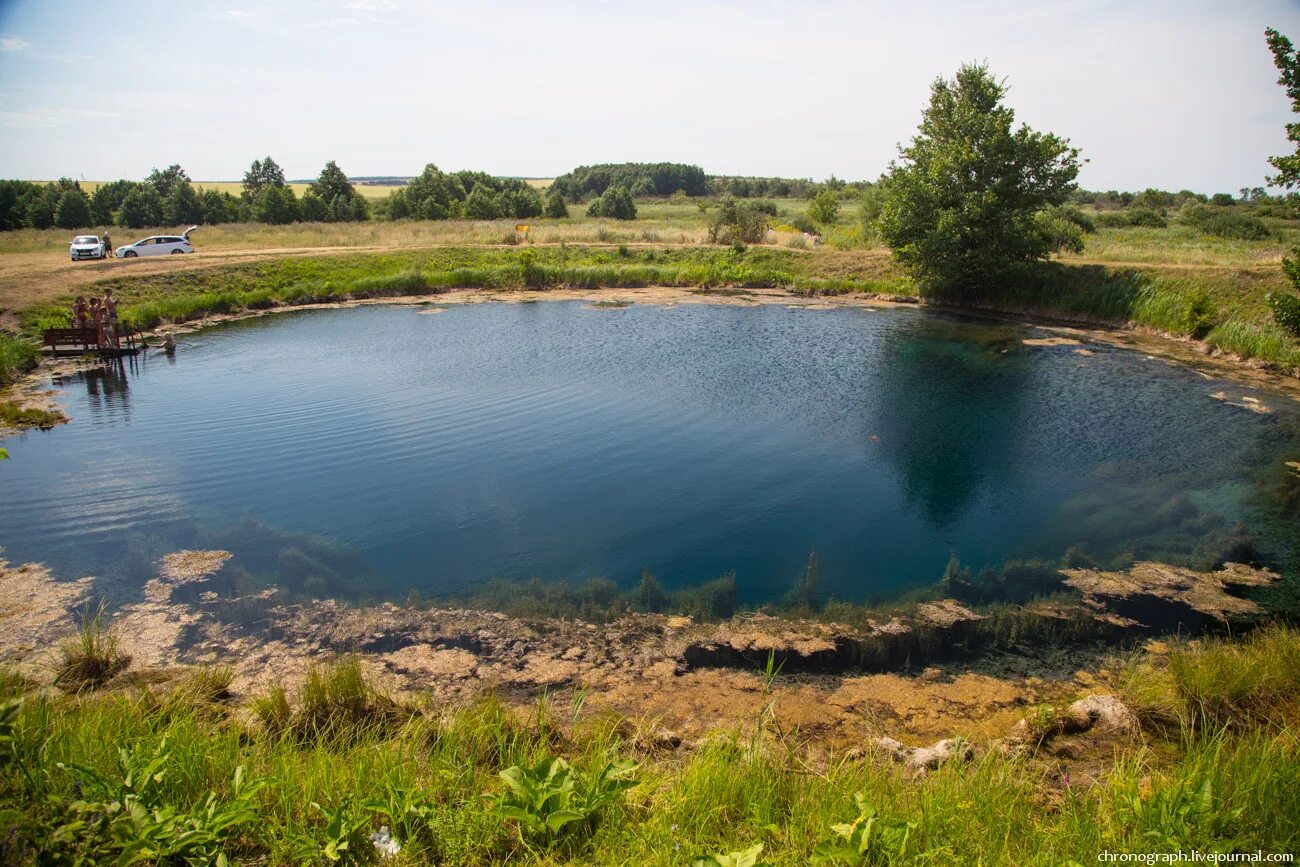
x=1175 y=95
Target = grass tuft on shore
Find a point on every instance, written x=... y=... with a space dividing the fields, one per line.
x=93 y=657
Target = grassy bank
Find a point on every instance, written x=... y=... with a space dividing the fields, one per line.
x=178 y=770
x=1210 y=289
x=149 y=300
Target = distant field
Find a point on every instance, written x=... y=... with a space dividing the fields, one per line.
x=235 y=188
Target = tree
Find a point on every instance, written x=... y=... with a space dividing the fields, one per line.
x=107 y=199
x=481 y=204
x=332 y=183
x=182 y=204
x=1286 y=307
x=615 y=203
x=14 y=196
x=166 y=180
x=555 y=207
x=825 y=207
x=141 y=207
x=959 y=210
x=219 y=207
x=277 y=205
x=73 y=210
x=1287 y=61
x=262 y=175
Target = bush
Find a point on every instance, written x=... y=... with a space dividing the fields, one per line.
x=1059 y=232
x=615 y=203
x=1234 y=225
x=1286 y=311
x=737 y=222
x=1132 y=218
x=825 y=207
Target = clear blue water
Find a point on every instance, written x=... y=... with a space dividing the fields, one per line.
x=389 y=449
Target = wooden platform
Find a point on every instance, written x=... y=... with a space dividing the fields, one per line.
x=78 y=341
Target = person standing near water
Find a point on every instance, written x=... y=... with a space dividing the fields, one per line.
x=110 y=317
x=79 y=312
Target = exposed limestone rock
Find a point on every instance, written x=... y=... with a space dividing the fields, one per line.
x=36 y=611
x=1105 y=712
x=1160 y=596
x=922 y=759
x=945 y=614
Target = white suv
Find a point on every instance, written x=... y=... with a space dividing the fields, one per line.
x=87 y=247
x=157 y=245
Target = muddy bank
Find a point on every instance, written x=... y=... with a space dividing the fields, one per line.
x=931 y=673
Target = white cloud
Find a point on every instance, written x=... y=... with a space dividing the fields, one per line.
x=13 y=43
x=370 y=5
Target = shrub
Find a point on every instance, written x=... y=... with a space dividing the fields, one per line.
x=825 y=207
x=737 y=221
x=1234 y=225
x=1286 y=311
x=1132 y=218
x=1059 y=233
x=615 y=203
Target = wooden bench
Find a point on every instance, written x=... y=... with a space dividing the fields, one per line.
x=71 y=341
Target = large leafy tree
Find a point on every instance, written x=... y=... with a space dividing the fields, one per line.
x=73 y=210
x=166 y=180
x=960 y=205
x=332 y=183
x=261 y=176
x=1286 y=307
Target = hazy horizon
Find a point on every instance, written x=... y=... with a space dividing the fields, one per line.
x=1156 y=94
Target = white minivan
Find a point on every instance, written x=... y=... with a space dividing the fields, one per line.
x=157 y=245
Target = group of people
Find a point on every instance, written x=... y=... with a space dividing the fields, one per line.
x=101 y=315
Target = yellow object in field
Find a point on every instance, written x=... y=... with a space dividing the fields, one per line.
x=521 y=227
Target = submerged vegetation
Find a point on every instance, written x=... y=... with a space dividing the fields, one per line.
x=166 y=773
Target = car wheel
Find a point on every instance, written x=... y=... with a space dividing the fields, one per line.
x=129 y=254
x=174 y=252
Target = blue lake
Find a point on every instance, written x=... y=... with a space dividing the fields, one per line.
x=380 y=449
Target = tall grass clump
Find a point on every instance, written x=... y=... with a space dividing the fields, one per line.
x=1213 y=683
x=17 y=356
x=335 y=701
x=1264 y=341
x=93 y=657
x=1175 y=307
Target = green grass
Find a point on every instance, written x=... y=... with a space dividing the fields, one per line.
x=17 y=355
x=13 y=415
x=92 y=658
x=150 y=300
x=1226 y=788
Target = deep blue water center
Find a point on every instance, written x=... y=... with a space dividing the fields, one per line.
x=392 y=448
